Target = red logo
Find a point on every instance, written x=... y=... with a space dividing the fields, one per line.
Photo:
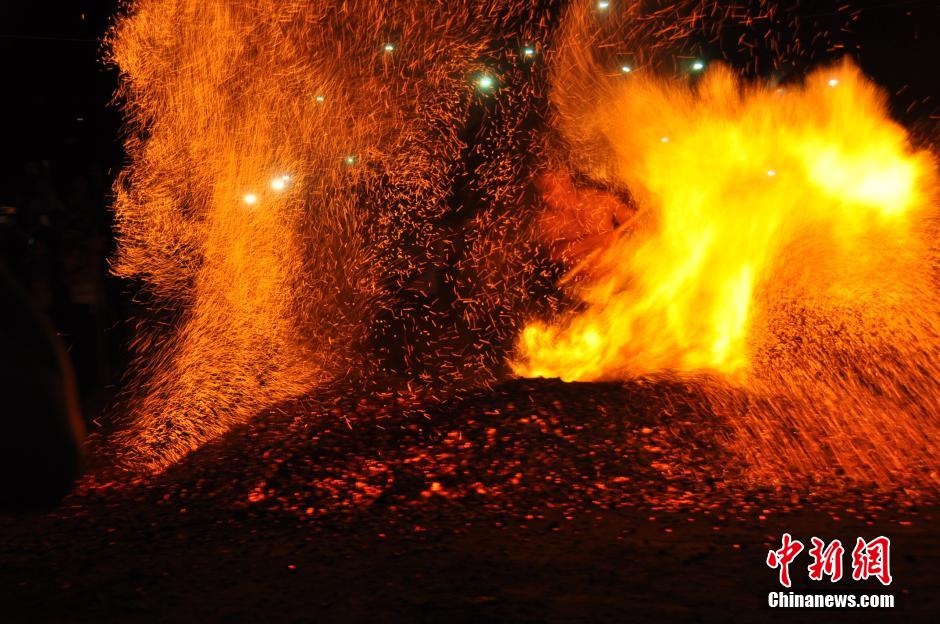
x=783 y=557
x=826 y=561
x=869 y=559
x=872 y=559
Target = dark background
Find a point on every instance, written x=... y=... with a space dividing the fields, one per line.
x=59 y=152
x=60 y=148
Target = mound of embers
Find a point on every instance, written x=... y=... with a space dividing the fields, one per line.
x=530 y=449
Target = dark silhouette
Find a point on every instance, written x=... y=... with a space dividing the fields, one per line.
x=40 y=449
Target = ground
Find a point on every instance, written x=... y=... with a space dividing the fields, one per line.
x=536 y=501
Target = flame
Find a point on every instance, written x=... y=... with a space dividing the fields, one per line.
x=729 y=179
x=781 y=249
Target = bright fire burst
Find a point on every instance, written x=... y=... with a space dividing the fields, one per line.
x=758 y=193
x=778 y=246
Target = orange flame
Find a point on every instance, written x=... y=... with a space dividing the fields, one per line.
x=784 y=246
x=730 y=179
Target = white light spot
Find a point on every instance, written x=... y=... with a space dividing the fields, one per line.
x=389 y=47
x=278 y=184
x=250 y=198
x=350 y=160
x=626 y=69
x=320 y=99
x=833 y=82
x=485 y=82
x=528 y=51
x=771 y=172
x=698 y=66
x=664 y=139
x=603 y=5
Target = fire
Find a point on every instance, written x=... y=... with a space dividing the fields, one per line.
x=779 y=247
x=237 y=216
x=322 y=190
x=287 y=206
x=747 y=194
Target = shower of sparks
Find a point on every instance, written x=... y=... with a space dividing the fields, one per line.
x=263 y=287
x=365 y=263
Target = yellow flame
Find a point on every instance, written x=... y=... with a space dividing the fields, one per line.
x=747 y=174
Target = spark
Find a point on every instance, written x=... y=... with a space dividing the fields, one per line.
x=250 y=198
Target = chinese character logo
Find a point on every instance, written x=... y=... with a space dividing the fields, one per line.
x=827 y=560
x=783 y=557
x=872 y=559
x=869 y=559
